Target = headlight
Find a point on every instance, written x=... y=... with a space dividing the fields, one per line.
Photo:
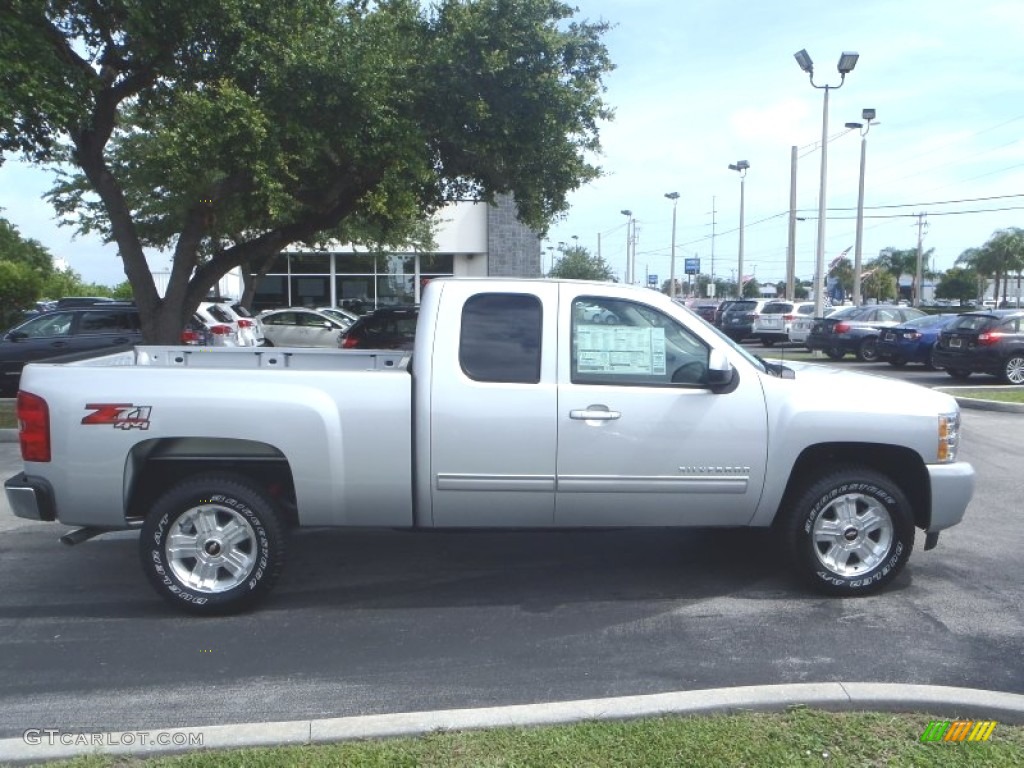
x=949 y=436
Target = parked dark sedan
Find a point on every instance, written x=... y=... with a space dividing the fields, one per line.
x=107 y=327
x=856 y=330
x=913 y=342
x=984 y=342
x=738 y=320
x=389 y=328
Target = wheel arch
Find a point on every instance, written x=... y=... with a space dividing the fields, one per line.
x=902 y=465
x=154 y=466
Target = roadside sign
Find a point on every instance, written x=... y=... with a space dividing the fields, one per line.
x=652 y=279
x=692 y=266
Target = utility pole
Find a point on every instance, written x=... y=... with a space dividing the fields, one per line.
x=791 y=249
x=713 y=212
x=919 y=280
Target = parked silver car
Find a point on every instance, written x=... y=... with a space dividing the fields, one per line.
x=301 y=327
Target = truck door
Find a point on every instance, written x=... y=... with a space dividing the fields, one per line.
x=492 y=408
x=641 y=439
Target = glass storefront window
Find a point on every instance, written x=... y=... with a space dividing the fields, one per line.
x=310 y=291
x=437 y=264
x=355 y=263
x=311 y=263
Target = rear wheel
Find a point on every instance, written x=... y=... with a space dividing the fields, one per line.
x=766 y=342
x=213 y=544
x=1013 y=369
x=929 y=362
x=850 y=532
x=867 y=352
x=835 y=353
x=958 y=373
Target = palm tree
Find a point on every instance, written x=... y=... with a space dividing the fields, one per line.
x=1002 y=254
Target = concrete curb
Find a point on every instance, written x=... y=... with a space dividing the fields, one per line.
x=947 y=702
x=8 y=435
x=981 y=404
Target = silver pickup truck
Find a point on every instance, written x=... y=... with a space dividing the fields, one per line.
x=517 y=409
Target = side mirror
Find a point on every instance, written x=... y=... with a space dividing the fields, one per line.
x=721 y=376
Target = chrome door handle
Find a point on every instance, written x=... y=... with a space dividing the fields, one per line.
x=594 y=413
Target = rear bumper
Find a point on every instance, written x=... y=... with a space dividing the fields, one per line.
x=30 y=498
x=952 y=486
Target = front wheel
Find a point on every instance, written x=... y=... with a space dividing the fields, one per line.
x=867 y=352
x=1013 y=369
x=213 y=544
x=897 y=362
x=766 y=342
x=850 y=532
x=835 y=353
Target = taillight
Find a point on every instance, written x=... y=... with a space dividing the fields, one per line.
x=33 y=427
x=841 y=328
x=912 y=336
x=789 y=318
x=349 y=342
x=243 y=323
x=190 y=337
x=220 y=330
x=989 y=337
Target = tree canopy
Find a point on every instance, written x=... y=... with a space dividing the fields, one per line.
x=577 y=263
x=225 y=130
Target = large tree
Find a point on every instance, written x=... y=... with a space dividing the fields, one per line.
x=225 y=130
x=577 y=263
x=1000 y=256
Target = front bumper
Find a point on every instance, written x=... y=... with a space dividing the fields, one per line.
x=952 y=486
x=30 y=498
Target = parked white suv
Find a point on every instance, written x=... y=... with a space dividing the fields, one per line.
x=226 y=328
x=775 y=322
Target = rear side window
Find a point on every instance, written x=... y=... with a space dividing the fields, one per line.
x=777 y=308
x=220 y=314
x=500 y=339
x=743 y=306
x=107 y=322
x=971 y=322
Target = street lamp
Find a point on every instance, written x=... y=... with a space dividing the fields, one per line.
x=868 y=116
x=674 y=197
x=628 y=278
x=741 y=166
x=846 y=64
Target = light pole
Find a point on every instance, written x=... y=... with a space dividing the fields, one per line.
x=847 y=61
x=868 y=115
x=674 y=197
x=627 y=277
x=742 y=166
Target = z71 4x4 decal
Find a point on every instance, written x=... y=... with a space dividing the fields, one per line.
x=119 y=415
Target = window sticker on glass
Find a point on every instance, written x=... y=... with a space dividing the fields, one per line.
x=601 y=349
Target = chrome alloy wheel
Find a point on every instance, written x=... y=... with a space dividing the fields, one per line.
x=852 y=535
x=1014 y=370
x=211 y=549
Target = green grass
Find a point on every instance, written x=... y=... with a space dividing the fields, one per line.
x=7 y=419
x=799 y=737
x=987 y=393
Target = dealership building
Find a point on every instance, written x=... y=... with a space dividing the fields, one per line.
x=471 y=239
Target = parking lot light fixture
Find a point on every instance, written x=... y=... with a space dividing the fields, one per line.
x=674 y=197
x=627 y=276
x=868 y=116
x=741 y=166
x=847 y=62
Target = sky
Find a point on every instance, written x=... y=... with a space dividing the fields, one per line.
x=702 y=84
